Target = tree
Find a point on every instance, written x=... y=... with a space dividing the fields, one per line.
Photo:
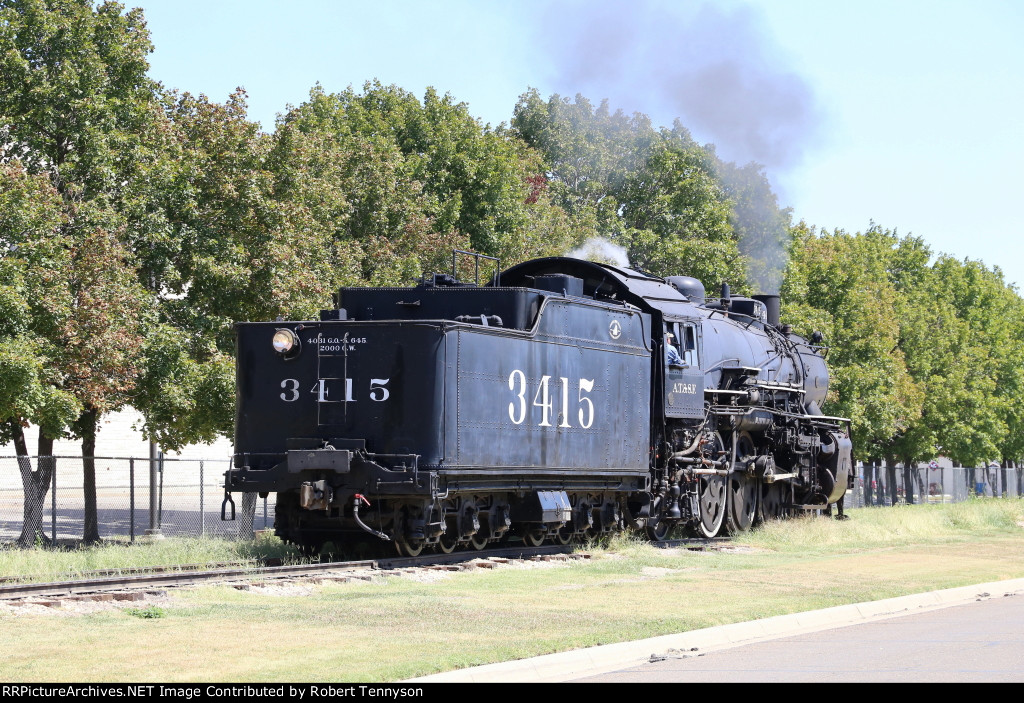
x=396 y=183
x=102 y=341
x=965 y=411
x=78 y=110
x=677 y=214
x=589 y=153
x=836 y=283
x=32 y=305
x=926 y=356
x=655 y=192
x=346 y=175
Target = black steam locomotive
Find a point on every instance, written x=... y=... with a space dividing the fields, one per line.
x=540 y=406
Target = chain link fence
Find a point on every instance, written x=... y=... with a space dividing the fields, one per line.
x=880 y=485
x=135 y=497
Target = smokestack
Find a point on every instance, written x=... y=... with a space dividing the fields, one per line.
x=774 y=304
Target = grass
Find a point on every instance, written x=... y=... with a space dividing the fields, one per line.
x=69 y=563
x=149 y=612
x=901 y=524
x=396 y=628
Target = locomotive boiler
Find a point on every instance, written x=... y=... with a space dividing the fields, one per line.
x=538 y=406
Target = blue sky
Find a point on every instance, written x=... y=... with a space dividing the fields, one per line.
x=905 y=113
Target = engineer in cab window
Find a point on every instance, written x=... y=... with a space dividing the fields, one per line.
x=672 y=357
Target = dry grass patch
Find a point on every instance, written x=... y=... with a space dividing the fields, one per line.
x=401 y=627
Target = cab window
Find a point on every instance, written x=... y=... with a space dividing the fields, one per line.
x=686 y=341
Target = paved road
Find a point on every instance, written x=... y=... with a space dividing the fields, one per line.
x=978 y=642
x=971 y=633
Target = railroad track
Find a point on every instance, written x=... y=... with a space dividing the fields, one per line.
x=140 y=581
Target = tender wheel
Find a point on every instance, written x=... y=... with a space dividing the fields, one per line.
x=743 y=490
x=407 y=549
x=564 y=535
x=447 y=545
x=448 y=541
x=533 y=538
x=478 y=542
x=712 y=505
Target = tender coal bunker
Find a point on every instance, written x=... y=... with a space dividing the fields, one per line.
x=559 y=283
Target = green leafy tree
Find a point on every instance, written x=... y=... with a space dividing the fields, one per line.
x=1010 y=374
x=966 y=416
x=655 y=192
x=677 y=214
x=347 y=177
x=926 y=356
x=589 y=152
x=102 y=340
x=78 y=110
x=33 y=305
x=836 y=283
x=395 y=183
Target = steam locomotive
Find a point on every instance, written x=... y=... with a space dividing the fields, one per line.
x=537 y=406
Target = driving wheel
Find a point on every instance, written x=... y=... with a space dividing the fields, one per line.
x=743 y=488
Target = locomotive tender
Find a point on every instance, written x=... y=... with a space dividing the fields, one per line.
x=539 y=406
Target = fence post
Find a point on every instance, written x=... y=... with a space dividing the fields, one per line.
x=131 y=499
x=160 y=506
x=154 y=521
x=202 y=506
x=53 y=498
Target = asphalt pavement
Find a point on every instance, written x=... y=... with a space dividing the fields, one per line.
x=972 y=633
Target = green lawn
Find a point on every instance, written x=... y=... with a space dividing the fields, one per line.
x=400 y=627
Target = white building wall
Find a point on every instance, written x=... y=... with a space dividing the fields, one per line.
x=118 y=440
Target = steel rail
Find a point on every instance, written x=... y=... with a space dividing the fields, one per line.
x=167 y=578
x=192 y=574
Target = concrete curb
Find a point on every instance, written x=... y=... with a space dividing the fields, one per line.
x=579 y=663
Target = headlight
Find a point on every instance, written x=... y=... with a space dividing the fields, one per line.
x=285 y=342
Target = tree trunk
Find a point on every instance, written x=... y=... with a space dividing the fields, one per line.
x=908 y=481
x=91 y=525
x=890 y=476
x=869 y=478
x=35 y=485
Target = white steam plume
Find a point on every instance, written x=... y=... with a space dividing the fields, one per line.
x=600 y=249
